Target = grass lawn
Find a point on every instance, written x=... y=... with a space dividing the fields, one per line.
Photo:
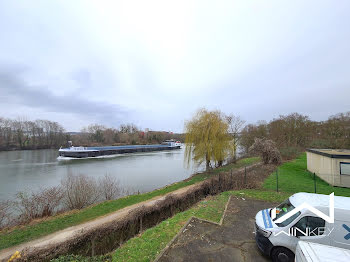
x=153 y=240
x=293 y=177
x=53 y=224
x=148 y=245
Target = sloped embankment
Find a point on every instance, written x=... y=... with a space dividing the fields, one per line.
x=109 y=232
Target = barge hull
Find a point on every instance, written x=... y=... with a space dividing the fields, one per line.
x=90 y=152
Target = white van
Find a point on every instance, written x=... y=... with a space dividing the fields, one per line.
x=313 y=252
x=279 y=240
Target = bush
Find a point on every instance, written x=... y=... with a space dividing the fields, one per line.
x=109 y=187
x=75 y=192
x=4 y=213
x=289 y=153
x=267 y=150
x=78 y=258
x=38 y=204
x=321 y=143
x=79 y=191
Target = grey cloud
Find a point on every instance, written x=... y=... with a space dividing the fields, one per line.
x=14 y=89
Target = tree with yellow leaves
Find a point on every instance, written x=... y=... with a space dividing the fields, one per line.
x=207 y=138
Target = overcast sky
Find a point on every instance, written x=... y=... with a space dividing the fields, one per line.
x=154 y=63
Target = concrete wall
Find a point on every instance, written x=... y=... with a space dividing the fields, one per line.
x=320 y=165
x=328 y=169
x=344 y=180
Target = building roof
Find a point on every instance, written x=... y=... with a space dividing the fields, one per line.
x=332 y=153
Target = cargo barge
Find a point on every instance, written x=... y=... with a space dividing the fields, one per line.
x=104 y=151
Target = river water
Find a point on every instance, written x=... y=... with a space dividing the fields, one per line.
x=31 y=170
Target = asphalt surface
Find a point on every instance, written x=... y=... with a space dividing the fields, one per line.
x=232 y=241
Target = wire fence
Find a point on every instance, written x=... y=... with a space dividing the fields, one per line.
x=285 y=181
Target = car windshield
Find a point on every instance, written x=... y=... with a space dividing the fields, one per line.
x=281 y=210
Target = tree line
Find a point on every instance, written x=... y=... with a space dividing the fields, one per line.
x=295 y=132
x=213 y=137
x=21 y=133
x=291 y=133
x=130 y=134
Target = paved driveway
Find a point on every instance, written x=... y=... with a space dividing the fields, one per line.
x=231 y=241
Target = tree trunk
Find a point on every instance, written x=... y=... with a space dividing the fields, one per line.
x=207 y=163
x=220 y=162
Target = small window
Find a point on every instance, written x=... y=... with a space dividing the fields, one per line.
x=311 y=226
x=344 y=168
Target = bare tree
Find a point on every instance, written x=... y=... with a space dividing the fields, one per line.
x=128 y=128
x=18 y=127
x=109 y=187
x=79 y=191
x=235 y=124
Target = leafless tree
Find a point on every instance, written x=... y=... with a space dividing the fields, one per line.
x=250 y=132
x=109 y=187
x=235 y=124
x=128 y=128
x=79 y=191
x=24 y=134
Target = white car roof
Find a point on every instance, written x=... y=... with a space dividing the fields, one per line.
x=318 y=252
x=317 y=200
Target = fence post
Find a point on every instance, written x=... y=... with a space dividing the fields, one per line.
x=315 y=181
x=245 y=175
x=277 y=179
x=93 y=247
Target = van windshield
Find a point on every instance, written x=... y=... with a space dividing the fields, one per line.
x=281 y=210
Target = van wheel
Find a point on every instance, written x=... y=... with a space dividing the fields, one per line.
x=281 y=254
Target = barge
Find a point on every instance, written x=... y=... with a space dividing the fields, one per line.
x=104 y=151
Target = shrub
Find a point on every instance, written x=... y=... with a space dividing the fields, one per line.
x=267 y=150
x=39 y=204
x=4 y=213
x=79 y=191
x=289 y=153
x=109 y=187
x=78 y=258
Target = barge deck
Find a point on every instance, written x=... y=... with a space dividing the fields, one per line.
x=89 y=152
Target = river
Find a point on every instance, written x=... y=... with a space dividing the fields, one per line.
x=31 y=170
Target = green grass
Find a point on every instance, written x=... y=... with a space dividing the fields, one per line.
x=51 y=225
x=293 y=177
x=147 y=246
x=153 y=240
